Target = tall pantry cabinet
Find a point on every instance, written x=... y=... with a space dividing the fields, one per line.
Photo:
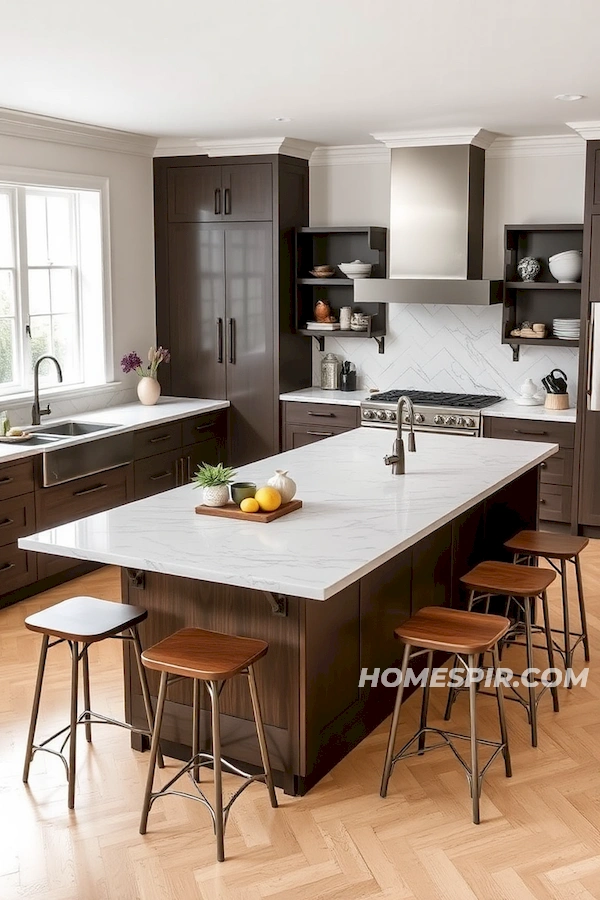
x=225 y=287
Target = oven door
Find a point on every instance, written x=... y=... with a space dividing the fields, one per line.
x=430 y=429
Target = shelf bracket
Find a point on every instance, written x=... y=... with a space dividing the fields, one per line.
x=320 y=341
x=137 y=578
x=380 y=343
x=516 y=349
x=277 y=602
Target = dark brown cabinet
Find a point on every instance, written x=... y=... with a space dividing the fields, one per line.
x=306 y=423
x=17 y=518
x=225 y=288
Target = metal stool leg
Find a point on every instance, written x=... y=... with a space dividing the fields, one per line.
x=475 y=787
x=425 y=703
x=196 y=728
x=501 y=715
x=262 y=741
x=74 y=645
x=36 y=706
x=154 y=751
x=550 y=647
x=566 y=621
x=451 y=696
x=531 y=689
x=216 y=747
x=86 y=691
x=137 y=652
x=387 y=768
x=586 y=641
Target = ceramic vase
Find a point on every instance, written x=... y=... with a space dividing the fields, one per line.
x=217 y=495
x=284 y=484
x=148 y=390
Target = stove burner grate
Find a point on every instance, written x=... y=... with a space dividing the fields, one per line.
x=438 y=398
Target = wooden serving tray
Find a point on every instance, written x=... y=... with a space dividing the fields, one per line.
x=232 y=511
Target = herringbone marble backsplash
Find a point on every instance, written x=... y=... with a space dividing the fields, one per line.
x=448 y=348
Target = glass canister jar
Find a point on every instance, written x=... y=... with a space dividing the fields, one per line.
x=330 y=372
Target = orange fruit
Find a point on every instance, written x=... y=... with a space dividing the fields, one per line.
x=268 y=498
x=249 y=505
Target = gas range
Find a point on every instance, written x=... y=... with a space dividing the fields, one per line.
x=434 y=411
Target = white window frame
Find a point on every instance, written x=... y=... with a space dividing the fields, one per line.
x=13 y=177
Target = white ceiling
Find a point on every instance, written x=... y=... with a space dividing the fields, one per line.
x=340 y=69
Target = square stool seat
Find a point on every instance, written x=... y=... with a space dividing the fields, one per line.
x=85 y=619
x=508 y=579
x=453 y=630
x=205 y=655
x=547 y=544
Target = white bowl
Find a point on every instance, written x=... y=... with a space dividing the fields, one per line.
x=566 y=266
x=356 y=269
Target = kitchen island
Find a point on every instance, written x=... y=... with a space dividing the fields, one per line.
x=325 y=586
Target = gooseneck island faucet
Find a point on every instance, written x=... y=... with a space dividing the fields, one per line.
x=36 y=412
x=396 y=458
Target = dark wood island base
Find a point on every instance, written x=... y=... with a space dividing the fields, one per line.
x=313 y=708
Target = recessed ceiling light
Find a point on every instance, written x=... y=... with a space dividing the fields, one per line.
x=282 y=119
x=570 y=98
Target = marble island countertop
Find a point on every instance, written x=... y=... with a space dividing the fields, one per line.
x=356 y=514
x=127 y=417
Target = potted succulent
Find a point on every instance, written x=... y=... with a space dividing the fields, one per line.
x=215 y=481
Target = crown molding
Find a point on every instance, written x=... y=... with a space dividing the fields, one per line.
x=479 y=137
x=257 y=147
x=172 y=146
x=351 y=154
x=589 y=131
x=14 y=123
x=537 y=145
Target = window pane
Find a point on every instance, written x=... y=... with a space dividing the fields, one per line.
x=63 y=295
x=60 y=244
x=6 y=237
x=41 y=341
x=7 y=294
x=39 y=291
x=65 y=344
x=7 y=351
x=37 y=239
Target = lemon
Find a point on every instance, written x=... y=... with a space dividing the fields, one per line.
x=268 y=498
x=249 y=504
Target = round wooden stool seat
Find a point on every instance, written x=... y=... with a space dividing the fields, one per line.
x=206 y=655
x=453 y=630
x=547 y=544
x=508 y=579
x=85 y=619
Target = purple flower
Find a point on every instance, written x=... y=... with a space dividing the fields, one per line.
x=131 y=362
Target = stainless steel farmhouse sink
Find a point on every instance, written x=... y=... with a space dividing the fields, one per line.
x=72 y=429
x=65 y=463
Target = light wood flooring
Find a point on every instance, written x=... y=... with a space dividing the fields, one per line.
x=539 y=837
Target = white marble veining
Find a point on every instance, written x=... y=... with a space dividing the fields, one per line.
x=318 y=395
x=128 y=417
x=356 y=514
x=508 y=409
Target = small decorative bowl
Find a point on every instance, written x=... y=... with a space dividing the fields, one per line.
x=323 y=271
x=356 y=269
x=566 y=267
x=240 y=490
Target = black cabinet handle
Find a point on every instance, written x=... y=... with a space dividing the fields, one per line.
x=321 y=433
x=7 y=566
x=227 y=201
x=92 y=490
x=162 y=475
x=328 y=415
x=521 y=431
x=217 y=201
x=6 y=480
x=6 y=522
x=203 y=427
x=219 y=340
x=189 y=468
x=231 y=339
x=157 y=440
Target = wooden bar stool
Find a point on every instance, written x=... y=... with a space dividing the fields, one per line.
x=212 y=658
x=81 y=621
x=528 y=546
x=521 y=586
x=467 y=635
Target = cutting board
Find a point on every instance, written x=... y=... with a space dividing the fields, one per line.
x=232 y=511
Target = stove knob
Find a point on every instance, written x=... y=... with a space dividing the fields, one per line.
x=419 y=419
x=390 y=415
x=460 y=421
x=368 y=414
x=380 y=414
x=469 y=422
x=406 y=418
x=450 y=420
x=438 y=420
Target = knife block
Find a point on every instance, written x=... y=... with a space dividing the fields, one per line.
x=557 y=401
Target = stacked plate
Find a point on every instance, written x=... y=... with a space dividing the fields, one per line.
x=566 y=329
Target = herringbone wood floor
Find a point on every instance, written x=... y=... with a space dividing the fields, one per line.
x=540 y=835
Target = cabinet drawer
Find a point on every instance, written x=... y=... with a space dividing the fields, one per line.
x=562 y=433
x=322 y=414
x=159 y=439
x=81 y=497
x=17 y=568
x=302 y=435
x=198 y=428
x=16 y=478
x=558 y=469
x=155 y=474
x=17 y=518
x=555 y=503
x=206 y=451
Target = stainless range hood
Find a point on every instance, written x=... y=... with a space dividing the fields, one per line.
x=436 y=230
